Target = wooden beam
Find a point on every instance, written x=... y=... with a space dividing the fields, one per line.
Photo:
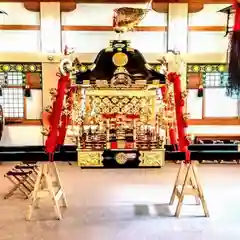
x=215 y=121
x=27 y=122
x=156 y=1
x=217 y=136
x=20 y=27
x=34 y=6
x=193 y=7
x=126 y=1
x=68 y=6
x=110 y=28
x=207 y=28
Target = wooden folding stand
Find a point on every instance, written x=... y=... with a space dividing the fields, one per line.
x=22 y=176
x=48 y=184
x=20 y=181
x=187 y=183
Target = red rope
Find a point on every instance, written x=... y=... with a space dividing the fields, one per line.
x=236 y=26
x=51 y=141
x=65 y=120
x=181 y=124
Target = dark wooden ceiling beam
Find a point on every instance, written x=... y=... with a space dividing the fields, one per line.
x=193 y=7
x=160 y=6
x=64 y=6
x=127 y=1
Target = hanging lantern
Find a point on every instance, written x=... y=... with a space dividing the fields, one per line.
x=3 y=12
x=233 y=53
x=27 y=86
x=229 y=11
x=3 y=83
x=200 y=91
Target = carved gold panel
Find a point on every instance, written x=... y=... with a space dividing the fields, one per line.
x=89 y=159
x=121 y=104
x=152 y=158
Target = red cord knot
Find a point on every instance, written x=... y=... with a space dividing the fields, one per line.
x=187 y=157
x=172 y=76
x=181 y=102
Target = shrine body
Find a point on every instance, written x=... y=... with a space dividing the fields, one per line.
x=119 y=121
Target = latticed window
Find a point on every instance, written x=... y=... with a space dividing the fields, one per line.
x=215 y=103
x=214 y=75
x=12 y=95
x=12 y=101
x=215 y=79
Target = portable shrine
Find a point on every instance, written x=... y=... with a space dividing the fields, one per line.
x=116 y=110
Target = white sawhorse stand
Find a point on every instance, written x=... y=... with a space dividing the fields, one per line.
x=47 y=184
x=187 y=183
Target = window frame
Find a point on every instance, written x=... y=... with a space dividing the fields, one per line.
x=202 y=70
x=24 y=68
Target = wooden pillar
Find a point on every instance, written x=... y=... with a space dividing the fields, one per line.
x=50 y=26
x=50 y=80
x=178 y=26
x=51 y=43
x=50 y=20
x=178 y=39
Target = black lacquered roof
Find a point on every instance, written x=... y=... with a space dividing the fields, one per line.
x=104 y=68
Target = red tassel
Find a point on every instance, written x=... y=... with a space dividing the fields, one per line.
x=172 y=136
x=187 y=157
x=234 y=56
x=200 y=91
x=66 y=50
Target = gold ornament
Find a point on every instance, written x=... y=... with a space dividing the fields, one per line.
x=121 y=158
x=120 y=59
x=126 y=18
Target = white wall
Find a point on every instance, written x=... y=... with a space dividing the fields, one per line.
x=194 y=104
x=209 y=16
x=93 y=42
x=101 y=15
x=207 y=42
x=34 y=105
x=17 y=40
x=22 y=136
x=215 y=130
x=26 y=135
x=218 y=105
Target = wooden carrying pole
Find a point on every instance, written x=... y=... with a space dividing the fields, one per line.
x=187 y=183
x=48 y=184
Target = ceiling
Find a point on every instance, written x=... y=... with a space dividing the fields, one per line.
x=160 y=6
x=127 y=1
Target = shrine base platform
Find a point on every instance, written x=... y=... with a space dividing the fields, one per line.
x=121 y=158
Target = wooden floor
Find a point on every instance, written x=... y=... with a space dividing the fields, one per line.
x=128 y=204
